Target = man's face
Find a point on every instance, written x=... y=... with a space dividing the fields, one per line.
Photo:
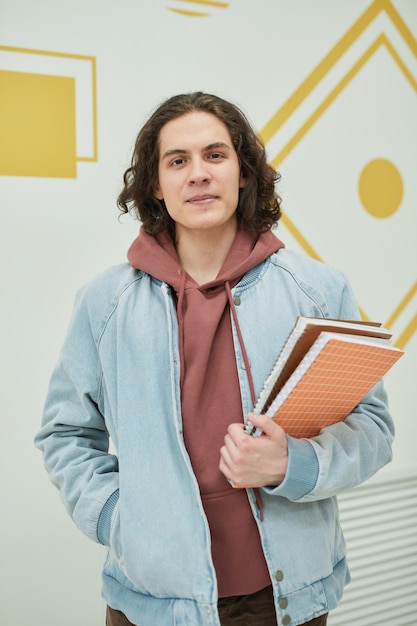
x=199 y=174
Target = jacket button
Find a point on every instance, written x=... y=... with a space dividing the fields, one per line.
x=236 y=300
x=286 y=620
x=279 y=575
x=283 y=603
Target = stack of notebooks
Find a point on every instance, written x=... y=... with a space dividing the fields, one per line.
x=324 y=370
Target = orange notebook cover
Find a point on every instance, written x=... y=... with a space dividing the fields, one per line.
x=305 y=332
x=333 y=376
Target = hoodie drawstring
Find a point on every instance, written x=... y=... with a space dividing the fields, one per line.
x=249 y=376
x=180 y=316
x=241 y=342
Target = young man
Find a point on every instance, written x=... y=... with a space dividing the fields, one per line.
x=165 y=355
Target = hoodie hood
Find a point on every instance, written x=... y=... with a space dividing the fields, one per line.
x=157 y=256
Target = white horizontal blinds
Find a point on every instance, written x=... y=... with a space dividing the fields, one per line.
x=379 y=520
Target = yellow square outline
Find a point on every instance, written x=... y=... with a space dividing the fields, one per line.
x=78 y=57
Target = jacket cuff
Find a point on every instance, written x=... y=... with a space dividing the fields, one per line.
x=302 y=471
x=104 y=521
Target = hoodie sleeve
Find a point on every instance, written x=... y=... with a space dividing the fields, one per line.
x=73 y=437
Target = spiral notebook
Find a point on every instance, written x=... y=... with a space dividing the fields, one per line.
x=324 y=370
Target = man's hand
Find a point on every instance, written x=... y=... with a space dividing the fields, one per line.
x=249 y=461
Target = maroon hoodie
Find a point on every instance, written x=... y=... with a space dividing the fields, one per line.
x=210 y=395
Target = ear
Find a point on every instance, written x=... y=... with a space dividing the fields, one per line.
x=158 y=193
x=242 y=181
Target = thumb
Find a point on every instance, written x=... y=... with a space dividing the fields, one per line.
x=267 y=424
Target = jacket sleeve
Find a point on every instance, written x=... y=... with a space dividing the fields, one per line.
x=73 y=437
x=345 y=454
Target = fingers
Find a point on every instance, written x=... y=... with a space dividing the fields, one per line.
x=254 y=461
x=234 y=444
x=232 y=453
x=268 y=426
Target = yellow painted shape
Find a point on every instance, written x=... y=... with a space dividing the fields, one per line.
x=336 y=91
x=37 y=125
x=333 y=56
x=77 y=57
x=189 y=13
x=209 y=3
x=380 y=188
x=403 y=304
x=407 y=333
x=308 y=86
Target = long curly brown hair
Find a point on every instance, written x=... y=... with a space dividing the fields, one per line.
x=259 y=206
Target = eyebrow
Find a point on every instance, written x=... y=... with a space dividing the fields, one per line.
x=211 y=146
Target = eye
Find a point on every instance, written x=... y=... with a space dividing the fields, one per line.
x=178 y=161
x=215 y=156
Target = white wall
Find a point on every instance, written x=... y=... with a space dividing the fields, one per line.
x=58 y=232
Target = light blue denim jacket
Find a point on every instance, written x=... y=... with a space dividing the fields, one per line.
x=118 y=376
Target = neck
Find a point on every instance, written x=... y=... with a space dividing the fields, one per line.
x=203 y=254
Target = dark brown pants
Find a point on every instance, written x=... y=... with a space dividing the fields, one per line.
x=256 y=609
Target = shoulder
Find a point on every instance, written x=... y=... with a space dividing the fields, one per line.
x=326 y=285
x=309 y=273
x=305 y=267
x=98 y=298
x=110 y=283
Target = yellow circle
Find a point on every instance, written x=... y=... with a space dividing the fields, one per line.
x=380 y=188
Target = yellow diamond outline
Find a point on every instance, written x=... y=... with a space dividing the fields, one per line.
x=310 y=83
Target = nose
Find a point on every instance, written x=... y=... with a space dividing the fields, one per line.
x=199 y=172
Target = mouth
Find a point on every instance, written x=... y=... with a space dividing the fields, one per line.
x=202 y=199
